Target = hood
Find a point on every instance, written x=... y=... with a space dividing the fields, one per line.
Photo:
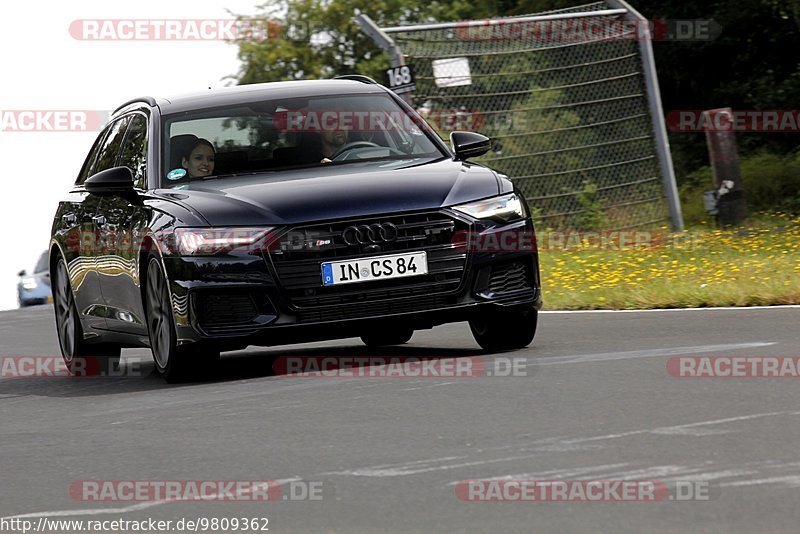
x=319 y=193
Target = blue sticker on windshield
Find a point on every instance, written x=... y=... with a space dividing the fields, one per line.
x=176 y=174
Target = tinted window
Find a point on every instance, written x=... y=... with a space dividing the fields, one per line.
x=286 y=133
x=42 y=265
x=134 y=151
x=111 y=146
x=87 y=165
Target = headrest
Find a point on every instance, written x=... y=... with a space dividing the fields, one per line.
x=226 y=162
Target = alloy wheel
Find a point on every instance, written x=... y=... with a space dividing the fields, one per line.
x=65 y=312
x=158 y=314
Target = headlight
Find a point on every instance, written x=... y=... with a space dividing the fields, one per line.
x=29 y=283
x=211 y=241
x=506 y=207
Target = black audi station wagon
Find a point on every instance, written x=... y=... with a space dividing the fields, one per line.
x=280 y=213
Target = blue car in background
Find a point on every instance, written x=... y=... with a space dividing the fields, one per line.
x=35 y=288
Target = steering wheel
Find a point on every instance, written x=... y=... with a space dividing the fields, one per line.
x=350 y=146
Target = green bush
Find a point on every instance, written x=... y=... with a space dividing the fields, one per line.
x=592 y=217
x=771 y=183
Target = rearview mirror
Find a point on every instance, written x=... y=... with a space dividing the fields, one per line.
x=113 y=180
x=469 y=144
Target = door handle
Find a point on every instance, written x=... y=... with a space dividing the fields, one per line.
x=99 y=220
x=69 y=218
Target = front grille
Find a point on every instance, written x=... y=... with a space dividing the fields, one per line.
x=299 y=253
x=376 y=309
x=231 y=311
x=509 y=277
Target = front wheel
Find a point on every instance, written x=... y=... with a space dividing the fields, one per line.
x=174 y=363
x=81 y=358
x=505 y=330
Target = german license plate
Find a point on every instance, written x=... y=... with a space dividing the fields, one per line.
x=374 y=268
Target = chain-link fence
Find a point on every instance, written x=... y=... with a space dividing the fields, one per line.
x=564 y=97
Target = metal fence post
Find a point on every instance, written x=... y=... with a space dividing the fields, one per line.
x=659 y=126
x=369 y=27
x=574 y=115
x=396 y=59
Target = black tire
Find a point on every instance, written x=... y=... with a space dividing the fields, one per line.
x=80 y=358
x=386 y=337
x=175 y=363
x=505 y=330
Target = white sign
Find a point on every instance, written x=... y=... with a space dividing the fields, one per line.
x=451 y=72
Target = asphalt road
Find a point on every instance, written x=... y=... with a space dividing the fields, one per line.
x=592 y=400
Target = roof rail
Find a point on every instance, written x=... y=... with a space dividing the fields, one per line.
x=356 y=78
x=147 y=99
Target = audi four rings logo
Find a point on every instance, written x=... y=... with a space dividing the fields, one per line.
x=369 y=233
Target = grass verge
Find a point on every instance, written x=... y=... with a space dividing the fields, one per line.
x=754 y=266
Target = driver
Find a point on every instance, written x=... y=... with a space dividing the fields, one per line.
x=331 y=141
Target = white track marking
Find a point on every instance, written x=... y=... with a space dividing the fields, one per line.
x=557 y=474
x=408 y=470
x=793 y=481
x=667 y=429
x=646 y=353
x=714 y=475
x=424 y=466
x=664 y=473
x=695 y=432
x=131 y=508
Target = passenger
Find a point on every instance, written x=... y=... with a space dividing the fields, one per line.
x=198 y=160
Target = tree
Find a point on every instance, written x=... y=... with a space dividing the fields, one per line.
x=749 y=66
x=320 y=40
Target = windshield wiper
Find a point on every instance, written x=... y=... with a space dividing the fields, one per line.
x=236 y=174
x=384 y=158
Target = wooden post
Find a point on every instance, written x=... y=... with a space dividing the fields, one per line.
x=724 y=156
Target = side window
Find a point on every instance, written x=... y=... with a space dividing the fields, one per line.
x=87 y=165
x=134 y=151
x=111 y=146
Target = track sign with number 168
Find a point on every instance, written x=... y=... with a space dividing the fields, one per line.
x=401 y=79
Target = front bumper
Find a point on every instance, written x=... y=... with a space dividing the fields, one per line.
x=275 y=296
x=30 y=297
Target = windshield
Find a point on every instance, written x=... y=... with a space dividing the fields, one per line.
x=268 y=136
x=42 y=265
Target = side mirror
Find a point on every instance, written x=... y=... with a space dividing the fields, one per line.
x=22 y=273
x=113 y=180
x=469 y=144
